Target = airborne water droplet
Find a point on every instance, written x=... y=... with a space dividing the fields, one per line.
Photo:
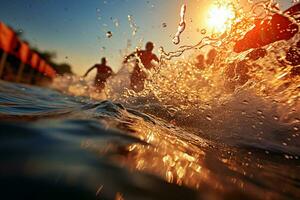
x=209 y=118
x=203 y=31
x=116 y=22
x=108 y=34
x=259 y=112
x=176 y=40
x=245 y=102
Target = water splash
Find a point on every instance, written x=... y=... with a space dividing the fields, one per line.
x=235 y=102
x=132 y=25
x=181 y=26
x=219 y=94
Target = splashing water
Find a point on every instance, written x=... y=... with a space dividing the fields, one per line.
x=233 y=122
x=182 y=86
x=132 y=25
x=181 y=26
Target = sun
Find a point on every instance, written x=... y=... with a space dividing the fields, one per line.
x=220 y=18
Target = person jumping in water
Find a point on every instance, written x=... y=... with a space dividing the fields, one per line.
x=103 y=73
x=138 y=75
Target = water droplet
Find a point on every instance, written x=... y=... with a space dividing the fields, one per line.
x=209 y=118
x=267 y=152
x=116 y=22
x=245 y=102
x=176 y=40
x=284 y=144
x=259 y=112
x=203 y=31
x=164 y=25
x=276 y=118
x=108 y=34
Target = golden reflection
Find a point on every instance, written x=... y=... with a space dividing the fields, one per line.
x=167 y=156
x=119 y=196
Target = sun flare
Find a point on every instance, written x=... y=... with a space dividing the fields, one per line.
x=220 y=18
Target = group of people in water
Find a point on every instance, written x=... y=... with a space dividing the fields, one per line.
x=277 y=28
x=144 y=61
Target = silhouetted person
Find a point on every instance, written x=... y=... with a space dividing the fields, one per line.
x=103 y=73
x=211 y=57
x=200 y=61
x=139 y=76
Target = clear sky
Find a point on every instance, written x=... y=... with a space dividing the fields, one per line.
x=76 y=29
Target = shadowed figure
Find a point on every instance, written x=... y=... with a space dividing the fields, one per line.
x=138 y=75
x=103 y=73
x=211 y=57
x=200 y=61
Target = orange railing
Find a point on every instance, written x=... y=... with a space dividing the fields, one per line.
x=12 y=45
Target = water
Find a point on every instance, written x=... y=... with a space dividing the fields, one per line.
x=181 y=26
x=75 y=147
x=213 y=133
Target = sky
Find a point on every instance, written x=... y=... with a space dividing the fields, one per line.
x=77 y=29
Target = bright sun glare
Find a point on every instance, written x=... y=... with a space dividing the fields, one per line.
x=220 y=18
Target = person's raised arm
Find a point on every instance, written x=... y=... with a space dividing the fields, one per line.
x=89 y=70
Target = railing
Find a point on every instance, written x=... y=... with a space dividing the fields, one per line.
x=12 y=46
